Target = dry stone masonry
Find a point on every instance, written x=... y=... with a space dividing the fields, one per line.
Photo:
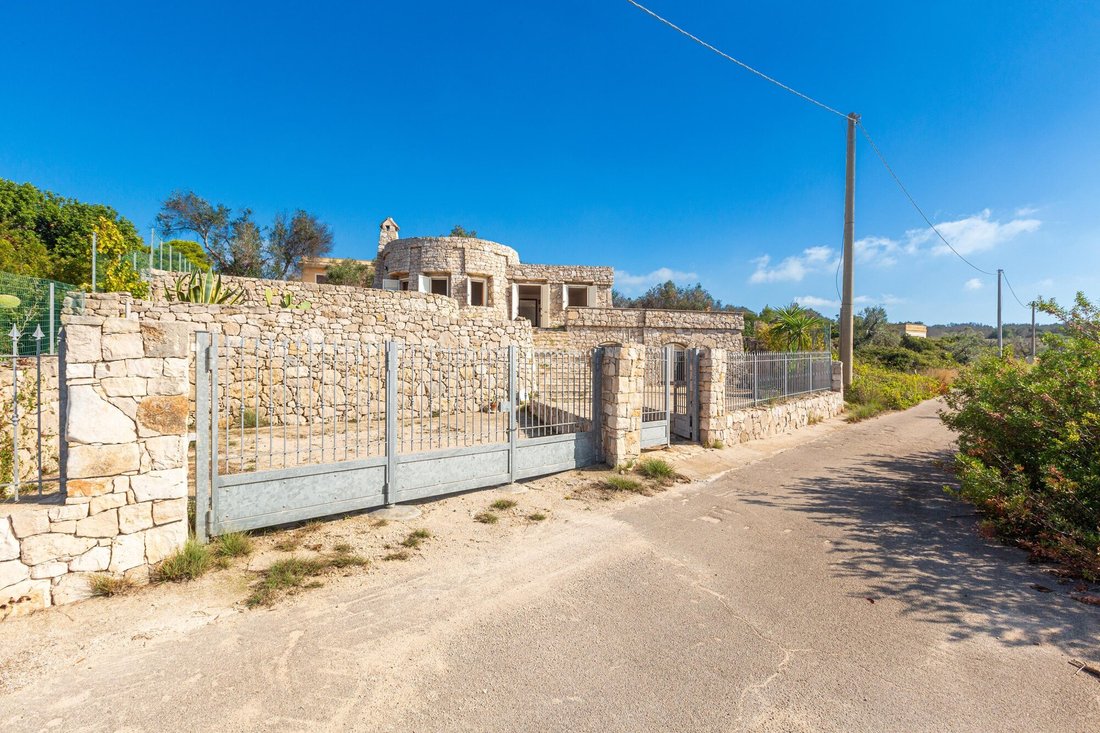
x=124 y=410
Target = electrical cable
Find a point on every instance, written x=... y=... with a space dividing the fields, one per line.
x=740 y=63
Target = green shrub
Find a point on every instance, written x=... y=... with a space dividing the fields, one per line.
x=1029 y=442
x=875 y=389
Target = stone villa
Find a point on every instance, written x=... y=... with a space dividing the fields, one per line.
x=565 y=304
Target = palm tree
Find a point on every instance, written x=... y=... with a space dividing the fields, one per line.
x=794 y=329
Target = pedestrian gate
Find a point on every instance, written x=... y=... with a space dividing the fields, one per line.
x=657 y=397
x=290 y=430
x=685 y=394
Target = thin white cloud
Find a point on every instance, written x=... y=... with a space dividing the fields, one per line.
x=977 y=233
x=973 y=283
x=631 y=284
x=1025 y=211
x=794 y=268
x=816 y=302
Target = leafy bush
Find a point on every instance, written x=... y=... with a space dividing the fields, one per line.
x=876 y=389
x=1029 y=441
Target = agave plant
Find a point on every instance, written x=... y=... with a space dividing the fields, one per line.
x=203 y=287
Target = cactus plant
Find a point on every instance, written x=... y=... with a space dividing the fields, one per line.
x=7 y=302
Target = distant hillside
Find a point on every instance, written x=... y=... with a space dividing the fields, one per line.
x=990 y=332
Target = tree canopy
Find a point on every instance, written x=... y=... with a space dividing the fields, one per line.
x=351 y=272
x=670 y=296
x=458 y=231
x=238 y=245
x=43 y=234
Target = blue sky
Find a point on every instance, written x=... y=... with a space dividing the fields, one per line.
x=586 y=132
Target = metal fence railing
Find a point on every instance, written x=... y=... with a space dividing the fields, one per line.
x=756 y=377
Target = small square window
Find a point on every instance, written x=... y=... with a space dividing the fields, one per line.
x=320 y=279
x=577 y=296
x=477 y=292
x=405 y=284
x=441 y=286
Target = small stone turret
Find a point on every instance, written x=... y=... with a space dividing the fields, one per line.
x=387 y=232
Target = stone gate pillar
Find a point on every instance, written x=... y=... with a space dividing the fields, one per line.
x=713 y=364
x=622 y=378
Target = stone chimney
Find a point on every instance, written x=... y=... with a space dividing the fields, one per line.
x=387 y=232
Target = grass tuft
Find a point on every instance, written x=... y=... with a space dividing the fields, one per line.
x=399 y=555
x=656 y=468
x=416 y=538
x=536 y=517
x=502 y=504
x=622 y=483
x=285 y=575
x=341 y=547
x=187 y=563
x=234 y=544
x=486 y=518
x=346 y=560
x=105 y=585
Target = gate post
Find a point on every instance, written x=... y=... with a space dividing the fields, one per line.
x=512 y=403
x=669 y=356
x=392 y=351
x=713 y=367
x=203 y=428
x=622 y=381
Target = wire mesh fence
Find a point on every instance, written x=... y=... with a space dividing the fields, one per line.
x=30 y=305
x=756 y=377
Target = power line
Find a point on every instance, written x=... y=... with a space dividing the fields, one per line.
x=740 y=63
x=909 y=196
x=1013 y=291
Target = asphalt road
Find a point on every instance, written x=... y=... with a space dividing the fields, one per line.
x=832 y=586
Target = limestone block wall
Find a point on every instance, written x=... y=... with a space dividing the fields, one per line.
x=335 y=313
x=622 y=381
x=124 y=505
x=699 y=329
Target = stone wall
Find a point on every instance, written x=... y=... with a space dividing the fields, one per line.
x=586 y=327
x=335 y=313
x=124 y=412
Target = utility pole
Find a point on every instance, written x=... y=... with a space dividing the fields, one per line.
x=1000 y=332
x=1033 y=331
x=846 y=319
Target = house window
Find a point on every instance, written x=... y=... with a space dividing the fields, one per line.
x=441 y=286
x=477 y=292
x=576 y=296
x=320 y=279
x=405 y=284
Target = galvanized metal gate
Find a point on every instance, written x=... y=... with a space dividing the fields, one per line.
x=291 y=430
x=657 y=397
x=685 y=394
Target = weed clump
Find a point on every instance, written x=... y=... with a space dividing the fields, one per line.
x=416 y=538
x=502 y=504
x=233 y=544
x=622 y=483
x=536 y=517
x=486 y=518
x=657 y=469
x=187 y=563
x=106 y=585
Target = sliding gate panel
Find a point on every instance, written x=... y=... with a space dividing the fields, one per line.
x=292 y=430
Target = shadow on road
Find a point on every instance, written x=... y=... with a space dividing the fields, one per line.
x=907 y=540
